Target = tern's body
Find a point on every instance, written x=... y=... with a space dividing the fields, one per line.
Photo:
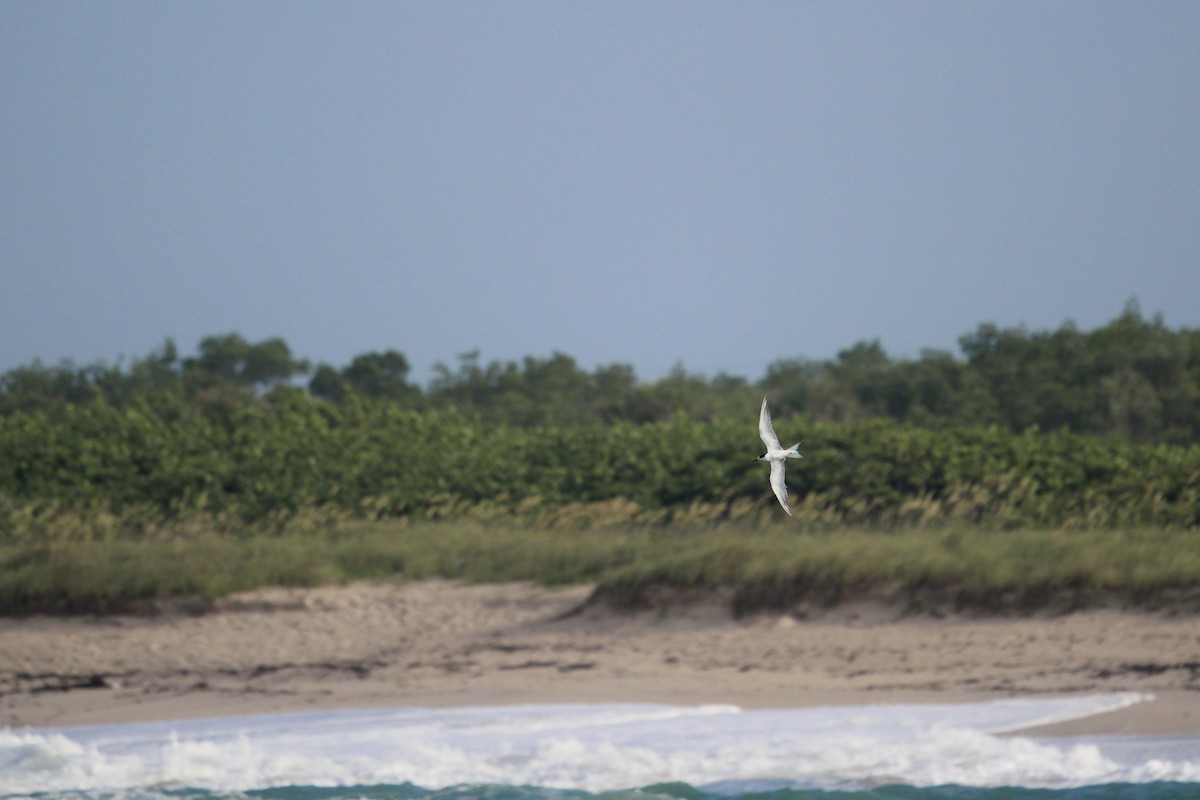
x=776 y=454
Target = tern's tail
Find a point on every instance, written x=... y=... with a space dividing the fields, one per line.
x=794 y=450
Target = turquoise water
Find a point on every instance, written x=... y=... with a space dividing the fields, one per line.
x=576 y=752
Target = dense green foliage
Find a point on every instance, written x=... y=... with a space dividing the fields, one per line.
x=372 y=458
x=1133 y=378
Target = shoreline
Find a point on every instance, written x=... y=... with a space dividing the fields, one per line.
x=447 y=644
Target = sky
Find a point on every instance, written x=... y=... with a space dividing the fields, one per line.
x=709 y=185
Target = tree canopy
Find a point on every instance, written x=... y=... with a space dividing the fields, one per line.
x=1134 y=377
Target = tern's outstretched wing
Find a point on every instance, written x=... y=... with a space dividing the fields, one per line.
x=778 y=486
x=767 y=433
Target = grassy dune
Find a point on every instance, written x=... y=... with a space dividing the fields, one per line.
x=774 y=565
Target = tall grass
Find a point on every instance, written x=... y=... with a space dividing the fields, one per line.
x=633 y=563
x=958 y=568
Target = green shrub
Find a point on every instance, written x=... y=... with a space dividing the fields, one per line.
x=374 y=460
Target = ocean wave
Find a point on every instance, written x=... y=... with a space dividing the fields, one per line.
x=598 y=748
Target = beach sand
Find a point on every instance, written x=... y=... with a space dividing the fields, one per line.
x=441 y=643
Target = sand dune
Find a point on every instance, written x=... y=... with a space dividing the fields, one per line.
x=441 y=643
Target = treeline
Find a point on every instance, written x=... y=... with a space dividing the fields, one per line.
x=369 y=459
x=1134 y=378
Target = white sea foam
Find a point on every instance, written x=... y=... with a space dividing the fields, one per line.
x=598 y=747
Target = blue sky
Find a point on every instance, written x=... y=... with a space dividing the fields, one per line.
x=714 y=184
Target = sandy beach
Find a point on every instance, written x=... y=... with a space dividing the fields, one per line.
x=440 y=643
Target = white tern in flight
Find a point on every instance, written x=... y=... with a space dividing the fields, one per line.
x=776 y=454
